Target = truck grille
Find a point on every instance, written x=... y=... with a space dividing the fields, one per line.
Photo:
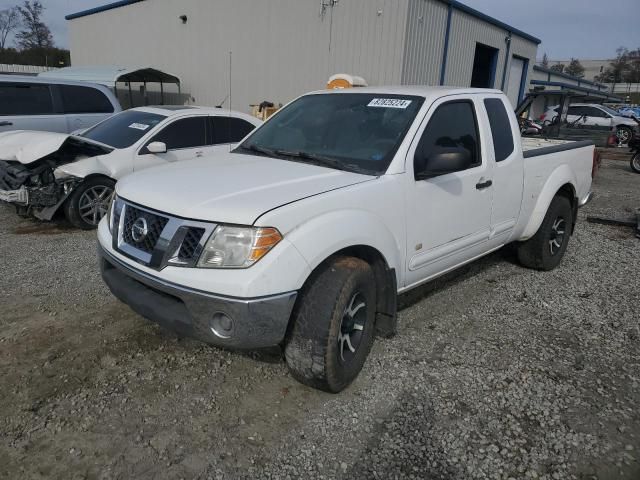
x=190 y=244
x=134 y=221
x=156 y=239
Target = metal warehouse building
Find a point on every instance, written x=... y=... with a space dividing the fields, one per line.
x=283 y=48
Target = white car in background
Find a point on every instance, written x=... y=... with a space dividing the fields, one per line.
x=593 y=114
x=41 y=172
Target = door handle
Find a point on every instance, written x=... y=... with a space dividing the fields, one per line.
x=6 y=124
x=482 y=185
x=199 y=153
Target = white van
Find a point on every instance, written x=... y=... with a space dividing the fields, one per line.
x=31 y=103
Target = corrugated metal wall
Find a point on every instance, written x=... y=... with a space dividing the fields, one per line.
x=424 y=42
x=281 y=48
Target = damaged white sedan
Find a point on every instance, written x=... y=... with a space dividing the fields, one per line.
x=43 y=172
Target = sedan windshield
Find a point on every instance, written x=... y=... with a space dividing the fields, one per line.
x=357 y=132
x=124 y=129
x=610 y=111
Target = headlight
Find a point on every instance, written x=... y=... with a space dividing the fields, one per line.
x=110 y=211
x=237 y=247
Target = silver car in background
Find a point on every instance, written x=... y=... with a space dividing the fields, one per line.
x=32 y=103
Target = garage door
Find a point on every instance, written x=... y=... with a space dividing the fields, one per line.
x=515 y=80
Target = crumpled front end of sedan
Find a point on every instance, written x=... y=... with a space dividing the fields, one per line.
x=34 y=185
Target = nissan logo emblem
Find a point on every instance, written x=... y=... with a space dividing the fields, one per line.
x=139 y=229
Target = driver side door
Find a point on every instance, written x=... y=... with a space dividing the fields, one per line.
x=185 y=138
x=448 y=215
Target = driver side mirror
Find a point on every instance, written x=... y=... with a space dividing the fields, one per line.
x=157 y=147
x=441 y=162
x=584 y=119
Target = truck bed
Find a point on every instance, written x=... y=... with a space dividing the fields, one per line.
x=532 y=147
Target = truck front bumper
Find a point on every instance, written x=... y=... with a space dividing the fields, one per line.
x=239 y=323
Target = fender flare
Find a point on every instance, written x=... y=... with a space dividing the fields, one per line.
x=561 y=176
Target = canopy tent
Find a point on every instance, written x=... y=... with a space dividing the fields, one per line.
x=110 y=76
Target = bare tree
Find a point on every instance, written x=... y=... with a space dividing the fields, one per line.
x=9 y=21
x=35 y=33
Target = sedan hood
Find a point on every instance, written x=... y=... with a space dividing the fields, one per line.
x=230 y=188
x=26 y=146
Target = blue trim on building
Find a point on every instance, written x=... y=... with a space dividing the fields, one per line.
x=523 y=79
x=445 y=53
x=103 y=8
x=507 y=62
x=494 y=66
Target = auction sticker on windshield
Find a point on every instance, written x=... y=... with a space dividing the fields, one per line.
x=389 y=103
x=139 y=126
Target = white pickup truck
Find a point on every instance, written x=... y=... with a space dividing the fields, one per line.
x=303 y=235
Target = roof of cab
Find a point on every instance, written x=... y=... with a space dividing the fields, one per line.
x=414 y=90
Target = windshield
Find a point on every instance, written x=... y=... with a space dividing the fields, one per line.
x=357 y=132
x=610 y=111
x=124 y=129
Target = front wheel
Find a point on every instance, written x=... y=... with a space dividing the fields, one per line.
x=624 y=134
x=545 y=249
x=89 y=202
x=635 y=162
x=333 y=325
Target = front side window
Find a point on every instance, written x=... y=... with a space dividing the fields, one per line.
x=25 y=99
x=453 y=125
x=84 y=100
x=595 y=112
x=357 y=132
x=500 y=128
x=183 y=133
x=124 y=129
x=229 y=129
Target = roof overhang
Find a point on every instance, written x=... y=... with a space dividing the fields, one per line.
x=561 y=88
x=110 y=75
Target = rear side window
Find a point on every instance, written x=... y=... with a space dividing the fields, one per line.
x=452 y=125
x=185 y=133
x=84 y=100
x=500 y=128
x=25 y=99
x=229 y=129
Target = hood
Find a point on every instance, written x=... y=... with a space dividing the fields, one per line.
x=26 y=146
x=626 y=121
x=230 y=187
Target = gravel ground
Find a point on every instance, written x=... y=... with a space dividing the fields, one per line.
x=497 y=372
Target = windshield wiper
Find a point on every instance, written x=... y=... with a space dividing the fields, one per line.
x=324 y=161
x=257 y=149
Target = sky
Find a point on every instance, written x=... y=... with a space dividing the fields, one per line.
x=585 y=29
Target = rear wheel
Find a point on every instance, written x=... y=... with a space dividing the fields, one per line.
x=545 y=249
x=89 y=202
x=635 y=162
x=333 y=325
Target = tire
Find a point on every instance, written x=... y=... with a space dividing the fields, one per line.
x=635 y=162
x=333 y=325
x=545 y=249
x=624 y=134
x=89 y=202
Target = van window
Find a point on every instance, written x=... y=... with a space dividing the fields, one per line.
x=77 y=99
x=25 y=99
